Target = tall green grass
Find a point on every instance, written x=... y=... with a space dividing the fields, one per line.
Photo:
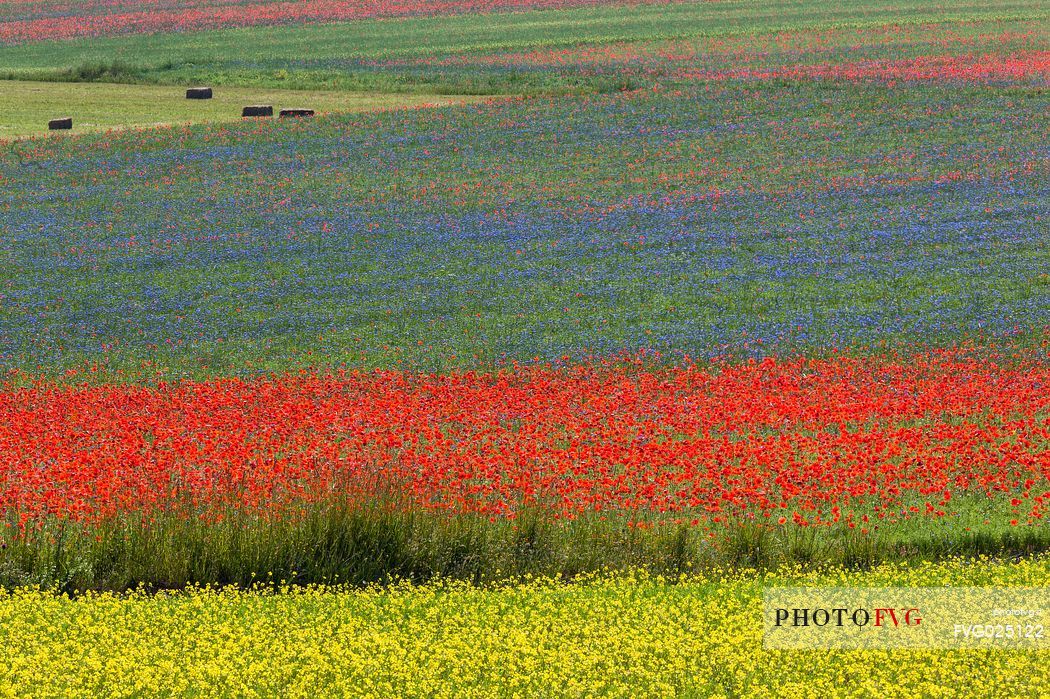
x=340 y=542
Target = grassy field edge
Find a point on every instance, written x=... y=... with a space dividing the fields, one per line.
x=363 y=544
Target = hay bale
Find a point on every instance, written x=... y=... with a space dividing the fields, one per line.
x=198 y=93
x=257 y=110
x=60 y=124
x=297 y=112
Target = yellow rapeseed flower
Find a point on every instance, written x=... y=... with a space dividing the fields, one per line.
x=625 y=636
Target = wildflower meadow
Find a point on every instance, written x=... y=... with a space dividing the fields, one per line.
x=562 y=332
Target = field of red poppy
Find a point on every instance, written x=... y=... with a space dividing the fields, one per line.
x=628 y=462
x=734 y=287
x=31 y=20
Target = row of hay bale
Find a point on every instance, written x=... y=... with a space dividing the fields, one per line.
x=266 y=110
x=205 y=93
x=252 y=110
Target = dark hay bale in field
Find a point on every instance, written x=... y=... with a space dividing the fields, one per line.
x=60 y=124
x=198 y=93
x=257 y=110
x=297 y=112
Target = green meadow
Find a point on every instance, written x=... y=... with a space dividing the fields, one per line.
x=26 y=107
x=342 y=56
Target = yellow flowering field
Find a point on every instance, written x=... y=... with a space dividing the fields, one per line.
x=624 y=636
